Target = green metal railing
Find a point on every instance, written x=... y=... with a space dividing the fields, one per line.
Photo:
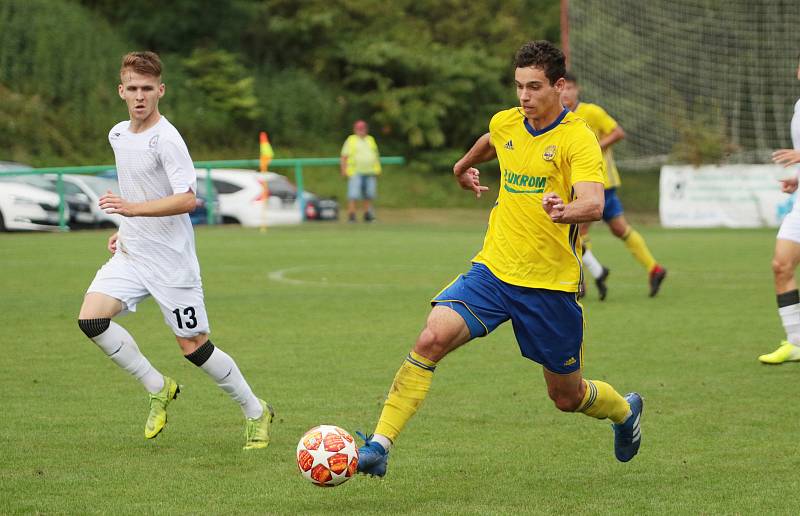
x=252 y=164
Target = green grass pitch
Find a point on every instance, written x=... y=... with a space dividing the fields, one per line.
x=320 y=317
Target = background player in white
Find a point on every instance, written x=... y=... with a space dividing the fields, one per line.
x=154 y=255
x=787 y=256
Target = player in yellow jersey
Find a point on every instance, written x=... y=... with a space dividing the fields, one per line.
x=529 y=269
x=608 y=133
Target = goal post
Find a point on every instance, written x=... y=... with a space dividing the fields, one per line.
x=706 y=81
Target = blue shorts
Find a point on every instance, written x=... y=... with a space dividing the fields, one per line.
x=548 y=324
x=362 y=186
x=613 y=206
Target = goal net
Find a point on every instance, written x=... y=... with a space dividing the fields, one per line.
x=697 y=81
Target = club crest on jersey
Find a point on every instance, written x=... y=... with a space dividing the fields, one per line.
x=153 y=141
x=549 y=153
x=509 y=145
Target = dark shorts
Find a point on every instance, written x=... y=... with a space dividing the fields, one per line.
x=613 y=206
x=548 y=324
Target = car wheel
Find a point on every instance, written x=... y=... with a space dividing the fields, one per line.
x=230 y=220
x=2 y=222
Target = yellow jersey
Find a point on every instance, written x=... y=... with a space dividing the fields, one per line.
x=602 y=124
x=522 y=245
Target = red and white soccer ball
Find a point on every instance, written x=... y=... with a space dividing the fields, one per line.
x=327 y=456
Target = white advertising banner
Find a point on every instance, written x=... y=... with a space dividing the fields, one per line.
x=733 y=196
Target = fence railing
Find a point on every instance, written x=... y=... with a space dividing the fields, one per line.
x=295 y=163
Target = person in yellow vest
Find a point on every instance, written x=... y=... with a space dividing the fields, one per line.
x=360 y=164
x=608 y=133
x=529 y=268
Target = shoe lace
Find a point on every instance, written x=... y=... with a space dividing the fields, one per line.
x=366 y=438
x=156 y=400
x=250 y=429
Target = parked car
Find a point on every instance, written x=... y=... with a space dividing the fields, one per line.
x=80 y=208
x=93 y=187
x=26 y=207
x=200 y=213
x=241 y=194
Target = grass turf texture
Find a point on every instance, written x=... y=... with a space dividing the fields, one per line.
x=320 y=317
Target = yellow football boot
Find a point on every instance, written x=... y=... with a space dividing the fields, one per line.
x=787 y=352
x=158 y=407
x=256 y=431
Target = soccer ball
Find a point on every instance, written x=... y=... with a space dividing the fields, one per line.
x=327 y=456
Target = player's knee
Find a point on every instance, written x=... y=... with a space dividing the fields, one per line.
x=432 y=344
x=94 y=327
x=566 y=401
x=191 y=344
x=781 y=267
x=619 y=229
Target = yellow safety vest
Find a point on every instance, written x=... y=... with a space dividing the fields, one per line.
x=351 y=146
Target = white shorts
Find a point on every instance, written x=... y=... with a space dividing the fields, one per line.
x=183 y=307
x=790 y=227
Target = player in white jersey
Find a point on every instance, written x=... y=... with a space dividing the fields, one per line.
x=154 y=255
x=787 y=255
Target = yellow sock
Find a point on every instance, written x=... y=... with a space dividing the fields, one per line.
x=410 y=386
x=602 y=401
x=638 y=248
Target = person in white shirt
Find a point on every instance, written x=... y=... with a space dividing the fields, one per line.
x=787 y=255
x=153 y=254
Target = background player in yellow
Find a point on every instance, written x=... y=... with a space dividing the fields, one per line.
x=608 y=133
x=529 y=269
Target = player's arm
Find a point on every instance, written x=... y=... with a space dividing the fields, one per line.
x=613 y=137
x=175 y=204
x=112 y=242
x=467 y=175
x=786 y=157
x=586 y=207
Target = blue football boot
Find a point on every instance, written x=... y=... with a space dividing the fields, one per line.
x=372 y=458
x=628 y=435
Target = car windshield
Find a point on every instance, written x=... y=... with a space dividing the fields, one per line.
x=279 y=185
x=100 y=185
x=10 y=166
x=37 y=181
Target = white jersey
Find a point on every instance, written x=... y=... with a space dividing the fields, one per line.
x=795 y=131
x=151 y=165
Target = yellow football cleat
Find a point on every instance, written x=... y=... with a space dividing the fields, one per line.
x=787 y=352
x=256 y=431
x=158 y=407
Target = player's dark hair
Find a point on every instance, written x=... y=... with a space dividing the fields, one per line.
x=542 y=54
x=145 y=63
x=570 y=77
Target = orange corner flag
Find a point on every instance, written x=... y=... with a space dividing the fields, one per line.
x=266 y=153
